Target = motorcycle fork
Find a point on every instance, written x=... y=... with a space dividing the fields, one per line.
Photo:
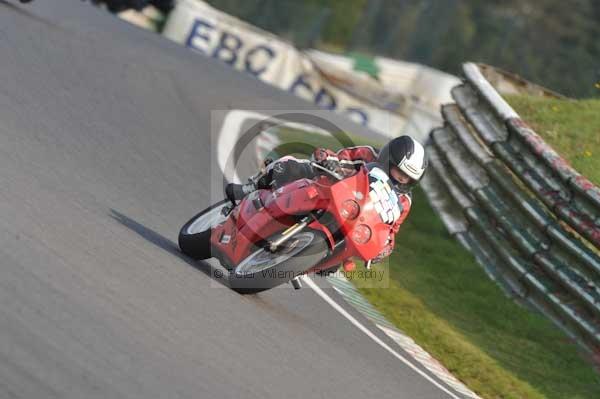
x=288 y=233
x=294 y=229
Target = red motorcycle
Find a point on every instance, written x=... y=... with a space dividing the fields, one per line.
x=309 y=225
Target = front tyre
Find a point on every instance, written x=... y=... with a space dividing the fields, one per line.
x=194 y=236
x=263 y=270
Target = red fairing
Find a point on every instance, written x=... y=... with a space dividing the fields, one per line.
x=260 y=215
x=360 y=153
x=406 y=202
x=366 y=154
x=360 y=222
x=363 y=153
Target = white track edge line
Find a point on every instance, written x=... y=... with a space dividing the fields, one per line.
x=370 y=334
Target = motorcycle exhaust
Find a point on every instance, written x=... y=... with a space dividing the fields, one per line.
x=288 y=233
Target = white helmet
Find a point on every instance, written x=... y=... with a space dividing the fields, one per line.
x=408 y=155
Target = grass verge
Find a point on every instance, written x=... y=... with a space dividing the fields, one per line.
x=571 y=127
x=440 y=296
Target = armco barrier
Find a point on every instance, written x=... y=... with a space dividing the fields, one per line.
x=531 y=221
x=573 y=197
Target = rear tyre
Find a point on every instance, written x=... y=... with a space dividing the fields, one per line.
x=263 y=270
x=194 y=236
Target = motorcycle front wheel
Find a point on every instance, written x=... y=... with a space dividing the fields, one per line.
x=194 y=236
x=263 y=269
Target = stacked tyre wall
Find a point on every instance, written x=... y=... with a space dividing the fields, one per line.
x=530 y=220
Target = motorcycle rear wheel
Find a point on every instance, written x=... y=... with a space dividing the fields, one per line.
x=194 y=236
x=263 y=270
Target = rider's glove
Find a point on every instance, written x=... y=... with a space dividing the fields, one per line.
x=385 y=252
x=326 y=158
x=332 y=164
x=321 y=154
x=382 y=255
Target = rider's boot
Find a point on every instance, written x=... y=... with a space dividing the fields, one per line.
x=236 y=192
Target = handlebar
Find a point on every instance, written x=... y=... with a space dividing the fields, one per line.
x=335 y=175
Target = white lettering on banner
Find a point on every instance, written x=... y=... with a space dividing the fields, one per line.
x=208 y=31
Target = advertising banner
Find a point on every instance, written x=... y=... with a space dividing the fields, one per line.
x=206 y=30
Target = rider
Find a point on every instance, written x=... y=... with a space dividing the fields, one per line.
x=403 y=159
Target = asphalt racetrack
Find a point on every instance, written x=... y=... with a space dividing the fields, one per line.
x=103 y=157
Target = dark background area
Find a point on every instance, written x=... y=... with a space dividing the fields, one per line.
x=551 y=42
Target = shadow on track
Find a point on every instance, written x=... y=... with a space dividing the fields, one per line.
x=164 y=243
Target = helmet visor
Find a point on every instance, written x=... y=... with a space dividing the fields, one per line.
x=398 y=176
x=401 y=180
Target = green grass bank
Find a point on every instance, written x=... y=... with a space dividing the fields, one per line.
x=440 y=296
x=571 y=127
